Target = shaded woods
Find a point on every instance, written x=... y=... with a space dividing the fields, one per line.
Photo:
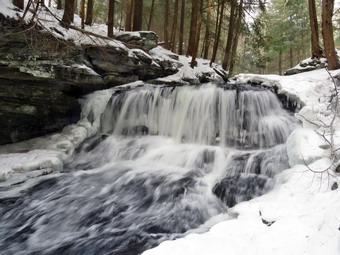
x=241 y=35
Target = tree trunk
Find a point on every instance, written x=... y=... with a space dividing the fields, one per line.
x=236 y=36
x=129 y=10
x=327 y=34
x=313 y=21
x=219 y=22
x=82 y=13
x=75 y=6
x=227 y=52
x=207 y=32
x=151 y=14
x=280 y=62
x=166 y=24
x=49 y=3
x=198 y=35
x=59 y=4
x=19 y=4
x=291 y=57
x=174 y=27
x=137 y=15
x=110 y=18
x=181 y=29
x=68 y=13
x=89 y=12
x=193 y=26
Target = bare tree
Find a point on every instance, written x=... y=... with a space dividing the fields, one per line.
x=219 y=22
x=193 y=26
x=313 y=21
x=137 y=15
x=327 y=34
x=59 y=5
x=174 y=27
x=207 y=31
x=166 y=24
x=151 y=14
x=89 y=12
x=227 y=52
x=198 y=35
x=110 y=18
x=129 y=10
x=181 y=29
x=68 y=13
x=82 y=13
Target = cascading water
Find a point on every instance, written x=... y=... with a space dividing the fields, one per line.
x=166 y=161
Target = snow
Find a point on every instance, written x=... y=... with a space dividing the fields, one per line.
x=304 y=146
x=300 y=215
x=308 y=88
x=186 y=74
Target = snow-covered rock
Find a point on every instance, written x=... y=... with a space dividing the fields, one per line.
x=305 y=146
x=306 y=65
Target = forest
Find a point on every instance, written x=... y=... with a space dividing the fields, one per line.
x=161 y=127
x=256 y=36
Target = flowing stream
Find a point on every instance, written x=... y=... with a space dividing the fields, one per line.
x=167 y=161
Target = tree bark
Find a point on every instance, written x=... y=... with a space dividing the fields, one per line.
x=280 y=62
x=219 y=22
x=227 y=52
x=151 y=14
x=198 y=35
x=327 y=34
x=110 y=18
x=174 y=27
x=166 y=24
x=207 y=31
x=129 y=10
x=137 y=15
x=193 y=27
x=313 y=22
x=59 y=4
x=181 y=29
x=89 y=12
x=75 y=6
x=236 y=36
x=68 y=13
x=19 y=4
x=82 y=13
x=291 y=57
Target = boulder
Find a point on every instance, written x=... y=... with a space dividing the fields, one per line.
x=145 y=39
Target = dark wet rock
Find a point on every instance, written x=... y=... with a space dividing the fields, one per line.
x=42 y=78
x=31 y=106
x=237 y=188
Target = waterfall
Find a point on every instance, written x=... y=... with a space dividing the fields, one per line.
x=202 y=115
x=165 y=161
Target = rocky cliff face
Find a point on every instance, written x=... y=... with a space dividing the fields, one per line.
x=42 y=77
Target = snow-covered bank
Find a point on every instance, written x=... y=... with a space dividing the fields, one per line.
x=300 y=215
x=308 y=88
